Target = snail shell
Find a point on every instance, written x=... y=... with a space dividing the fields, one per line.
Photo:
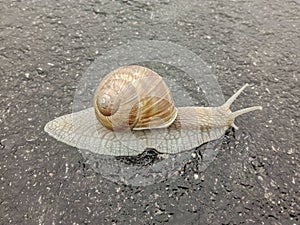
x=147 y=108
x=134 y=96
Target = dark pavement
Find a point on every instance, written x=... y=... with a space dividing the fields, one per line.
x=45 y=47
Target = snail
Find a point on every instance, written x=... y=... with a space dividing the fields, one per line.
x=134 y=110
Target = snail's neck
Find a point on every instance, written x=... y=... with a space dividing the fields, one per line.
x=204 y=118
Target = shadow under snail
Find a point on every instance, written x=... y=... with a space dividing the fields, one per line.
x=134 y=110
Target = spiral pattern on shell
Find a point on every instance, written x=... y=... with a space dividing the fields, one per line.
x=135 y=97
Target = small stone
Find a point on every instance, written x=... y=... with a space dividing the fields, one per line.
x=40 y=70
x=196 y=176
x=98 y=11
x=260 y=178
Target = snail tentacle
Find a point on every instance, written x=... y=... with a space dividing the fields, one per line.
x=235 y=114
x=232 y=115
x=228 y=103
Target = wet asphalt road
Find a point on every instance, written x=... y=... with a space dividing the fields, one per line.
x=45 y=47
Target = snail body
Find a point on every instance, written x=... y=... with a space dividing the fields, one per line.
x=134 y=110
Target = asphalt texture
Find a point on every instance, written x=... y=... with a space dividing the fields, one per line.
x=45 y=47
